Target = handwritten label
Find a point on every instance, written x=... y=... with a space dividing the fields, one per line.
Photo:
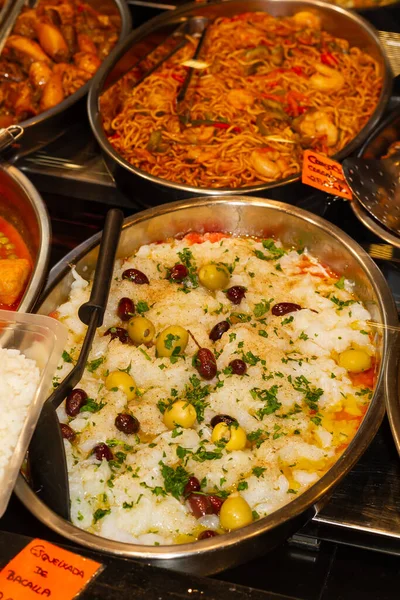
x=324 y=174
x=42 y=570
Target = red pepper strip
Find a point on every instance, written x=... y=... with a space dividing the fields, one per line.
x=328 y=59
x=220 y=125
x=178 y=78
x=80 y=8
x=273 y=97
x=294 y=109
x=297 y=70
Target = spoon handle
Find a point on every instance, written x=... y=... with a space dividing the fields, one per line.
x=92 y=312
x=104 y=268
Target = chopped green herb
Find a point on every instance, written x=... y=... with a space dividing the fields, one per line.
x=274 y=252
x=94 y=364
x=100 y=513
x=142 y=307
x=258 y=471
x=92 y=406
x=287 y=320
x=242 y=485
x=174 y=479
x=187 y=259
x=147 y=357
x=67 y=357
x=269 y=397
x=262 y=307
x=340 y=283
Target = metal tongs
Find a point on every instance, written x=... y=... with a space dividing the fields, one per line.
x=194 y=26
x=47 y=460
x=8 y=15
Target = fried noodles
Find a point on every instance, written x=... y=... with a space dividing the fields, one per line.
x=272 y=88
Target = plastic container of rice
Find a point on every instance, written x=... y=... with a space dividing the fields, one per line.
x=30 y=348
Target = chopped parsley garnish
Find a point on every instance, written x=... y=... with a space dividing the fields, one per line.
x=303 y=336
x=341 y=303
x=67 y=357
x=311 y=393
x=269 y=397
x=316 y=420
x=257 y=437
x=340 y=283
x=100 y=513
x=196 y=394
x=258 y=471
x=94 y=364
x=250 y=358
x=147 y=357
x=169 y=340
x=262 y=307
x=274 y=251
x=142 y=307
x=187 y=259
x=174 y=479
x=287 y=320
x=127 y=505
x=92 y=406
x=242 y=485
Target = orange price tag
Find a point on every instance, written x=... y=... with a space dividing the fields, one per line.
x=325 y=174
x=46 y=571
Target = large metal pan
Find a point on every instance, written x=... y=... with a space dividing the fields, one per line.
x=22 y=206
x=147 y=187
x=49 y=125
x=377 y=145
x=239 y=215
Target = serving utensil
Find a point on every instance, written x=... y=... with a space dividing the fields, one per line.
x=8 y=16
x=202 y=23
x=47 y=460
x=376 y=185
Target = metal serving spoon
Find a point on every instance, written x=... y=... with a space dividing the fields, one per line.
x=376 y=185
x=47 y=461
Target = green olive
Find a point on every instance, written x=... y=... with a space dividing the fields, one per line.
x=121 y=381
x=141 y=330
x=172 y=341
x=214 y=276
x=235 y=513
x=181 y=413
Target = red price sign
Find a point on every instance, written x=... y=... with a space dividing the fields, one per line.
x=46 y=571
x=324 y=174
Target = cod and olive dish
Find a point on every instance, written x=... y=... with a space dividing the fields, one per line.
x=263 y=89
x=230 y=373
x=53 y=50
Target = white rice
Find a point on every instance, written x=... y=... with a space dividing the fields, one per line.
x=19 y=379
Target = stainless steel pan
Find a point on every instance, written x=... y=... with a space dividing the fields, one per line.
x=22 y=206
x=241 y=216
x=336 y=20
x=50 y=124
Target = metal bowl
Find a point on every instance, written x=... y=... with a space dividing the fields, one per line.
x=22 y=206
x=50 y=124
x=376 y=146
x=336 y=20
x=238 y=215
